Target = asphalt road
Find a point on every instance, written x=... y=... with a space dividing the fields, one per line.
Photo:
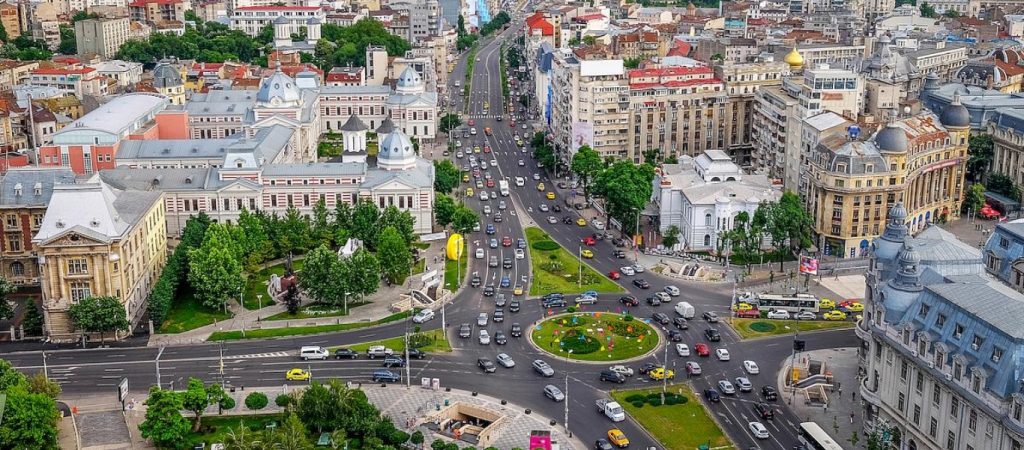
x=262 y=363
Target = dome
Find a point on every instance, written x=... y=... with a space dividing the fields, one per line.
x=165 y=76
x=898 y=213
x=892 y=139
x=281 y=20
x=794 y=59
x=909 y=256
x=956 y=114
x=409 y=80
x=279 y=90
x=396 y=152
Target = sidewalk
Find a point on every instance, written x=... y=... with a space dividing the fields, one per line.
x=244 y=319
x=835 y=413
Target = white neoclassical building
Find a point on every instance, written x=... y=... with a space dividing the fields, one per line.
x=703 y=195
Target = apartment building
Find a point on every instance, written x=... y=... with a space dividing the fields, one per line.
x=594 y=98
x=159 y=11
x=72 y=80
x=742 y=83
x=101 y=36
x=13 y=72
x=252 y=19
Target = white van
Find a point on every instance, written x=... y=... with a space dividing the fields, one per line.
x=684 y=310
x=307 y=353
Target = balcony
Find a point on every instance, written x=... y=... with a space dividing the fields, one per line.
x=862 y=331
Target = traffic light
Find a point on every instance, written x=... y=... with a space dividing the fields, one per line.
x=798 y=345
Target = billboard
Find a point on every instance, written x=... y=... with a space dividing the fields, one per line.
x=808 y=265
x=582 y=134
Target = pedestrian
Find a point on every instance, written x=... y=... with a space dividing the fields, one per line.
x=826 y=407
x=840 y=392
x=851 y=417
x=854 y=396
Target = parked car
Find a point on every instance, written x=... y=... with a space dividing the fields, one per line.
x=778 y=315
x=345 y=353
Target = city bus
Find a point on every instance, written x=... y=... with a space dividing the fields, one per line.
x=812 y=436
x=786 y=302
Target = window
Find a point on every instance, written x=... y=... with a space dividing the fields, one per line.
x=936 y=394
x=933 y=427
x=940 y=320
x=950 y=440
x=997 y=354
x=917 y=415
x=901 y=402
x=903 y=370
x=976 y=342
x=78 y=267
x=972 y=421
x=919 y=384
x=958 y=331
x=976 y=383
x=14 y=242
x=1004 y=243
x=954 y=406
x=1014 y=445
x=958 y=370
x=707 y=219
x=940 y=359
x=80 y=290
x=922 y=347
x=1016 y=411
x=17 y=269
x=924 y=311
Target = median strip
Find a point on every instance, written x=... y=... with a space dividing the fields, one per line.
x=269 y=333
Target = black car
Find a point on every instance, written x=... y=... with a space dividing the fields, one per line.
x=516 y=331
x=619 y=242
x=660 y=318
x=506 y=263
x=489 y=290
x=653 y=300
x=712 y=334
x=675 y=336
x=712 y=395
x=711 y=317
x=567 y=220
x=465 y=330
x=486 y=365
x=629 y=300
x=769 y=393
x=641 y=283
x=386 y=375
x=344 y=353
x=417 y=353
x=764 y=411
x=497 y=218
x=619 y=254
x=613 y=376
x=475 y=281
x=554 y=303
x=681 y=323
x=556 y=208
x=393 y=361
x=603 y=444
x=553 y=295
x=646 y=367
x=498 y=316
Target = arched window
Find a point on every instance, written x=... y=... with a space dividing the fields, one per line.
x=707 y=219
x=17 y=269
x=707 y=240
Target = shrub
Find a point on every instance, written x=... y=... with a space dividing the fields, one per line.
x=627 y=318
x=398 y=437
x=635 y=398
x=419 y=340
x=227 y=402
x=417 y=438
x=283 y=400
x=572 y=341
x=762 y=327
x=256 y=401
x=571 y=309
x=545 y=245
x=638 y=404
x=654 y=401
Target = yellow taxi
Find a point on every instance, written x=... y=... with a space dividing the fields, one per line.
x=469 y=192
x=581 y=222
x=741 y=306
x=834 y=315
x=617 y=438
x=518 y=290
x=296 y=374
x=659 y=373
x=587 y=253
x=855 y=307
x=476 y=149
x=540 y=187
x=826 y=304
x=465 y=177
x=550 y=196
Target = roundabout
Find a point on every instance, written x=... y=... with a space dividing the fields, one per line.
x=595 y=337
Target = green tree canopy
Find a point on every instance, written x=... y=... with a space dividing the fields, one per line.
x=99 y=315
x=586 y=164
x=6 y=307
x=352 y=41
x=464 y=220
x=444 y=210
x=979 y=155
x=446 y=176
x=215 y=272
x=450 y=122
x=1002 y=184
x=393 y=252
x=626 y=188
x=975 y=198
x=164 y=424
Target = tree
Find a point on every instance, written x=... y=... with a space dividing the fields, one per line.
x=256 y=401
x=37 y=383
x=361 y=274
x=444 y=210
x=321 y=228
x=9 y=376
x=68 y=45
x=464 y=220
x=33 y=319
x=99 y=315
x=30 y=420
x=322 y=276
x=462 y=25
x=545 y=155
x=164 y=424
x=364 y=223
x=316 y=408
x=352 y=41
x=1003 y=185
x=295 y=232
x=6 y=307
x=979 y=155
x=450 y=122
x=626 y=188
x=292 y=299
x=3 y=33
x=82 y=15
x=446 y=176
x=214 y=271
x=631 y=63
x=586 y=164
x=417 y=438
x=196 y=398
x=671 y=236
x=975 y=198
x=951 y=13
x=927 y=10
x=401 y=221
x=788 y=223
x=255 y=241
x=395 y=259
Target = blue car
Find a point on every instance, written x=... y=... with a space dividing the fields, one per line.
x=590 y=294
x=505 y=281
x=490 y=229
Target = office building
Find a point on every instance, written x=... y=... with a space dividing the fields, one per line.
x=101 y=36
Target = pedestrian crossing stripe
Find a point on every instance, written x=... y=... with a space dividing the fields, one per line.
x=483 y=116
x=260 y=355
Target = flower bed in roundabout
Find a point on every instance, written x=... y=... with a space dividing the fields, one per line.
x=595 y=336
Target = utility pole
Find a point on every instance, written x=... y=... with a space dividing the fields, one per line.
x=579 y=257
x=792 y=366
x=408 y=362
x=161 y=352
x=46 y=373
x=567 y=394
x=221 y=363
x=664 y=377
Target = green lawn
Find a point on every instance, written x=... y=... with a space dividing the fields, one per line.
x=666 y=421
x=257 y=284
x=628 y=338
x=187 y=313
x=217 y=427
x=235 y=335
x=453 y=274
x=558 y=270
x=310 y=311
x=419 y=267
x=439 y=343
x=751 y=328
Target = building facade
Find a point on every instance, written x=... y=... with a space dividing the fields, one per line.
x=101 y=36
x=1007 y=132
x=24 y=196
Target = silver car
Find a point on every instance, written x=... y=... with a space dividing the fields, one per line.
x=481 y=320
x=726 y=388
x=505 y=361
x=543 y=368
x=551 y=391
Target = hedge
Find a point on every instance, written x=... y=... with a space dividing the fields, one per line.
x=166 y=287
x=546 y=246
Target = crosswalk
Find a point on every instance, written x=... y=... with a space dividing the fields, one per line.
x=260 y=355
x=482 y=116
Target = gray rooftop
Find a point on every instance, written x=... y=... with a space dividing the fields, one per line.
x=30 y=181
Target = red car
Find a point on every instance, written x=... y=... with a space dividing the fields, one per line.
x=589 y=240
x=490 y=182
x=614 y=275
x=487 y=149
x=749 y=313
x=702 y=349
x=472 y=122
x=506 y=241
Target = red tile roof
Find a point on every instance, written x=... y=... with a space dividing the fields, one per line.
x=669 y=71
x=589 y=17
x=64 y=71
x=538 y=22
x=679 y=48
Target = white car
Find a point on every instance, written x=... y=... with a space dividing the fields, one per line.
x=805 y=315
x=479 y=253
x=627 y=271
x=520 y=181
x=485 y=338
x=552 y=220
x=638 y=268
x=483 y=165
x=536 y=177
x=726 y=388
x=683 y=350
x=619 y=368
x=663 y=297
x=597 y=224
x=722 y=354
x=505 y=361
x=520 y=254
x=487 y=209
x=758 y=430
x=776 y=314
x=483 y=196
x=543 y=207
x=481 y=320
x=423 y=316
x=751 y=367
x=672 y=290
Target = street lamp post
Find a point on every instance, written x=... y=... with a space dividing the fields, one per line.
x=345 y=299
x=579 y=277
x=567 y=394
x=259 y=297
x=664 y=374
x=46 y=373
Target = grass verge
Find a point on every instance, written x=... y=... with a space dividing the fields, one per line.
x=666 y=421
x=438 y=343
x=187 y=313
x=752 y=328
x=310 y=312
x=557 y=270
x=257 y=283
x=618 y=339
x=217 y=428
x=235 y=335
x=455 y=273
x=471 y=58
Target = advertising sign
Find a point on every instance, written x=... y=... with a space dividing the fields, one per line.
x=582 y=134
x=808 y=265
